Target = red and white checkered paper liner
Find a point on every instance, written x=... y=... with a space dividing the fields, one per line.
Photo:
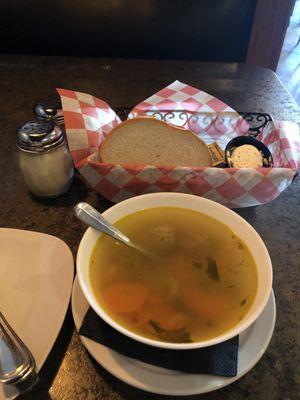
x=88 y=120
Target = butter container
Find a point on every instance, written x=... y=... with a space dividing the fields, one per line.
x=247 y=152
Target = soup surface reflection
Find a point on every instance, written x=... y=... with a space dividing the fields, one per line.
x=203 y=284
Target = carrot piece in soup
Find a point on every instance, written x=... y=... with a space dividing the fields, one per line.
x=125 y=297
x=155 y=298
x=208 y=305
x=163 y=314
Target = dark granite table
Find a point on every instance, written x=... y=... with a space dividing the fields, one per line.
x=69 y=373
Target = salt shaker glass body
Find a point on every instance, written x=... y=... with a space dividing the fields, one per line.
x=44 y=158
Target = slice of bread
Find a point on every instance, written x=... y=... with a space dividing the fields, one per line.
x=146 y=140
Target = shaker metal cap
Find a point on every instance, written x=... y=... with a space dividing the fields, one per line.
x=47 y=109
x=39 y=136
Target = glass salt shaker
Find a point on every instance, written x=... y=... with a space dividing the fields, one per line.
x=44 y=158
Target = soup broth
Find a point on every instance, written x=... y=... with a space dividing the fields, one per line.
x=203 y=283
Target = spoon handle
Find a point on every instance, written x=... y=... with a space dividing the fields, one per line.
x=17 y=365
x=90 y=216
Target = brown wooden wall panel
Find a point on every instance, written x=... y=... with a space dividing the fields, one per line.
x=268 y=32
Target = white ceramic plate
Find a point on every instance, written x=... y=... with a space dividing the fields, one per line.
x=36 y=275
x=253 y=343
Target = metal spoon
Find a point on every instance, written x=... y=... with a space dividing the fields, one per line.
x=17 y=364
x=90 y=216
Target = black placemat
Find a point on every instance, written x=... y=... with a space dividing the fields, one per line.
x=220 y=359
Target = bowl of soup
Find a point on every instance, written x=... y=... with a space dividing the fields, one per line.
x=210 y=279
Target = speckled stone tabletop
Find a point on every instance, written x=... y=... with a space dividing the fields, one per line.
x=69 y=372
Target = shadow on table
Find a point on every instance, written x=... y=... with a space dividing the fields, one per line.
x=52 y=363
x=248 y=213
x=124 y=390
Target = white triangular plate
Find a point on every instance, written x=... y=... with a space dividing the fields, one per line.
x=36 y=276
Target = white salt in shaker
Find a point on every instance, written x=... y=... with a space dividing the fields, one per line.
x=44 y=158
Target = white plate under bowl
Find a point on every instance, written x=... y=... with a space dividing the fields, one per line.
x=252 y=345
x=36 y=276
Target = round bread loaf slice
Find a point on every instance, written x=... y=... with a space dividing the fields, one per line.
x=146 y=140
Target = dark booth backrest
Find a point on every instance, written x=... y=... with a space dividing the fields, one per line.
x=207 y=30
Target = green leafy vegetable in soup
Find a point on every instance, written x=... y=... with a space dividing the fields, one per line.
x=203 y=284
